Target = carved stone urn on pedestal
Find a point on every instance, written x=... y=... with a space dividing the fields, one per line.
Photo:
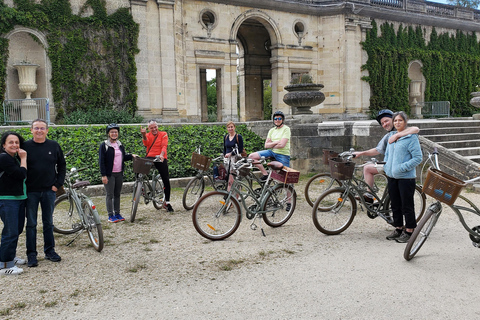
x=27 y=84
x=303 y=96
x=475 y=101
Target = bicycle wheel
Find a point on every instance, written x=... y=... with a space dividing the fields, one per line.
x=420 y=204
x=334 y=211
x=159 y=192
x=214 y=218
x=421 y=233
x=193 y=191
x=93 y=224
x=279 y=205
x=137 y=194
x=317 y=185
x=65 y=216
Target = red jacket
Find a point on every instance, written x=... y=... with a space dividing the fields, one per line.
x=160 y=144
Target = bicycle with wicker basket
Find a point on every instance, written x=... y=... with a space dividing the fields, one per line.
x=204 y=178
x=149 y=189
x=217 y=214
x=445 y=189
x=334 y=210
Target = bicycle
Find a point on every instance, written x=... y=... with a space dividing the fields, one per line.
x=150 y=191
x=335 y=209
x=217 y=214
x=196 y=186
x=445 y=189
x=86 y=218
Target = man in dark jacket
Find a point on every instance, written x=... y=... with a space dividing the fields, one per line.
x=46 y=173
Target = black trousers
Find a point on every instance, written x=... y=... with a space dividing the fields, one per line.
x=401 y=193
x=162 y=168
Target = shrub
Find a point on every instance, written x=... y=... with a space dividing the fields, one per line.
x=100 y=116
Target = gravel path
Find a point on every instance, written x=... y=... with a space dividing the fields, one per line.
x=160 y=268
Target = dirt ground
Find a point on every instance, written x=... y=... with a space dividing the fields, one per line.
x=160 y=268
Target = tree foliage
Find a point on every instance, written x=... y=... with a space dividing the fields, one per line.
x=472 y=4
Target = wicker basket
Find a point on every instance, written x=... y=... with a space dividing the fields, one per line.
x=442 y=186
x=142 y=165
x=200 y=162
x=341 y=169
x=327 y=155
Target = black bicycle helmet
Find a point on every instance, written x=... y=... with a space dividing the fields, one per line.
x=384 y=113
x=113 y=126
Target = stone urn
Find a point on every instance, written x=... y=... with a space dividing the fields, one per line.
x=303 y=96
x=27 y=84
x=475 y=101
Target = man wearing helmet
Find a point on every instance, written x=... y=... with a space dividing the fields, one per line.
x=277 y=144
x=384 y=118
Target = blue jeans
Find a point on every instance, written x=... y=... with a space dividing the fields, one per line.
x=283 y=159
x=12 y=213
x=46 y=199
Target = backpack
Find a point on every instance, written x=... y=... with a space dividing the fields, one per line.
x=242 y=153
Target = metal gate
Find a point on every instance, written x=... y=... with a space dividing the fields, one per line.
x=25 y=110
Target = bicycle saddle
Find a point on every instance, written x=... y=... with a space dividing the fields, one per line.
x=275 y=165
x=80 y=184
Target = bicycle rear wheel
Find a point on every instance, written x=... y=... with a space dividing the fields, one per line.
x=193 y=191
x=159 y=194
x=279 y=205
x=65 y=216
x=422 y=232
x=334 y=211
x=137 y=194
x=93 y=224
x=317 y=185
x=215 y=218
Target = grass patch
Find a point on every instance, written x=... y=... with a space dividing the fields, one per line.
x=51 y=304
x=5 y=312
x=137 y=268
x=228 y=265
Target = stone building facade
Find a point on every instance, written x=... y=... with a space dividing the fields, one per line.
x=247 y=42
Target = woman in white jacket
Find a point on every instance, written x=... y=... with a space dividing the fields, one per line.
x=401 y=158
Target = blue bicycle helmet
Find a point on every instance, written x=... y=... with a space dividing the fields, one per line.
x=384 y=113
x=113 y=126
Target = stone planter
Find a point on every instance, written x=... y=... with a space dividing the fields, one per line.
x=302 y=97
x=475 y=101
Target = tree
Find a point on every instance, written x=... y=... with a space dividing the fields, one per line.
x=472 y=4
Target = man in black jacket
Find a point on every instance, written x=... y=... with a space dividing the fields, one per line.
x=46 y=173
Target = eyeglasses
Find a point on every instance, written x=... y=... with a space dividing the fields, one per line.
x=276 y=119
x=39 y=128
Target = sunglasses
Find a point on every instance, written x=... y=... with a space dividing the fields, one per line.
x=276 y=119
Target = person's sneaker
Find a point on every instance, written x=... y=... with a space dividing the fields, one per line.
x=289 y=206
x=32 y=260
x=264 y=178
x=11 y=271
x=395 y=234
x=368 y=197
x=53 y=256
x=119 y=217
x=403 y=238
x=112 y=219
x=19 y=261
x=167 y=207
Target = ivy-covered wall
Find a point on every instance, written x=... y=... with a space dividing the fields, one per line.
x=451 y=67
x=92 y=58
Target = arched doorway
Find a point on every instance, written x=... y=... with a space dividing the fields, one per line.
x=256 y=35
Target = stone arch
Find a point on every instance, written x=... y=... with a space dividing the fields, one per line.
x=28 y=44
x=416 y=92
x=257 y=37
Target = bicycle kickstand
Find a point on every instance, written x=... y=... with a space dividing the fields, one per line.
x=76 y=236
x=253 y=226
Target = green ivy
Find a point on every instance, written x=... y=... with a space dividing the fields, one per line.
x=92 y=58
x=183 y=141
x=451 y=67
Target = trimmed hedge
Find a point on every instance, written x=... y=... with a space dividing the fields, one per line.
x=85 y=141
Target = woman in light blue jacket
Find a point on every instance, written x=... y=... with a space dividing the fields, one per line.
x=401 y=159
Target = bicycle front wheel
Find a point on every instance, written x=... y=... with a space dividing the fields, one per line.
x=421 y=233
x=334 y=211
x=279 y=205
x=65 y=217
x=93 y=224
x=317 y=185
x=216 y=218
x=137 y=194
x=193 y=191
x=158 y=194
